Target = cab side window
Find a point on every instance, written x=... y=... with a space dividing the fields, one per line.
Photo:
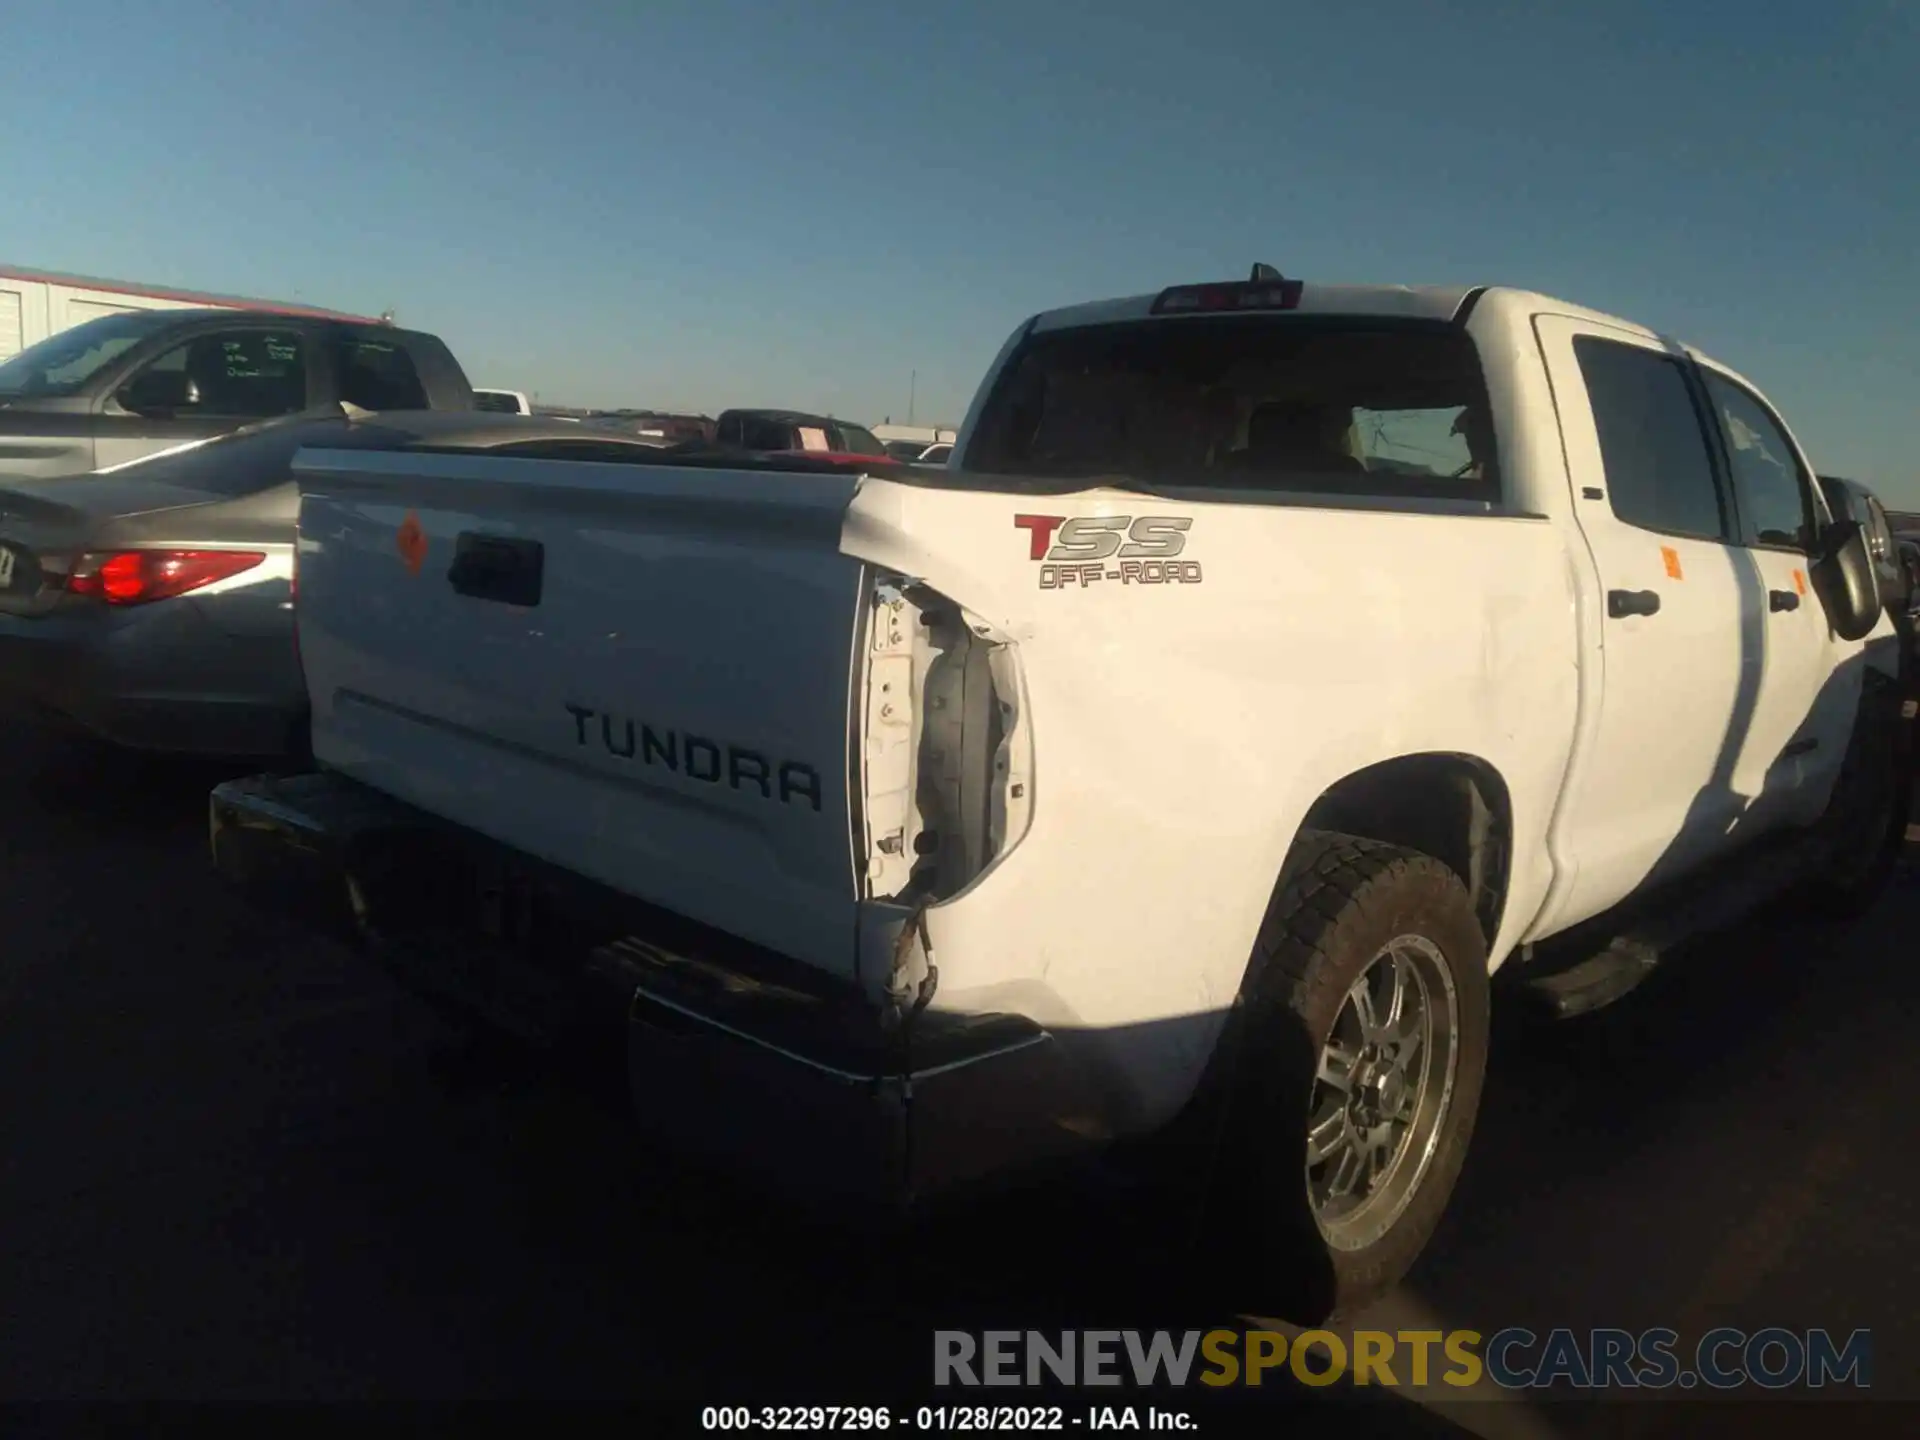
x=1652 y=444
x=1775 y=505
x=232 y=374
x=378 y=374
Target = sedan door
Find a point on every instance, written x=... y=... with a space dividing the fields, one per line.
x=52 y=439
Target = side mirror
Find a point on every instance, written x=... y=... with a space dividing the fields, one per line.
x=156 y=392
x=1844 y=578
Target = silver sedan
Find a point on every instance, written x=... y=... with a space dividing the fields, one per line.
x=152 y=604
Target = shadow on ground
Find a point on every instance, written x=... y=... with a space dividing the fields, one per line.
x=239 y=1165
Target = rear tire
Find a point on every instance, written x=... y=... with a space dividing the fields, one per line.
x=1865 y=825
x=1336 y=1195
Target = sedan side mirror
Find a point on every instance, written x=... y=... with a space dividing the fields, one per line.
x=1844 y=578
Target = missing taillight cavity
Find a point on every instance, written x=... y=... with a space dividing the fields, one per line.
x=946 y=760
x=138 y=577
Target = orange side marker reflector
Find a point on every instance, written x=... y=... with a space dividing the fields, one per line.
x=1672 y=558
x=1799 y=582
x=411 y=541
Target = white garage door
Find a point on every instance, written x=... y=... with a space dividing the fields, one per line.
x=81 y=311
x=10 y=324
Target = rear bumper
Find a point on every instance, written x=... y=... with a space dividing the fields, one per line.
x=744 y=1057
x=161 y=679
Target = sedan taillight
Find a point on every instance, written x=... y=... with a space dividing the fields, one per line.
x=137 y=577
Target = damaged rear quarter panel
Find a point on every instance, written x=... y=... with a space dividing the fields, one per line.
x=1182 y=730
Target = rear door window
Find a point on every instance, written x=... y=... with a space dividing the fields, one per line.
x=379 y=374
x=1653 y=446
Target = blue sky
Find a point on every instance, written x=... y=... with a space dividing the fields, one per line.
x=710 y=203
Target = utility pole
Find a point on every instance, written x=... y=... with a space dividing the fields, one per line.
x=913 y=386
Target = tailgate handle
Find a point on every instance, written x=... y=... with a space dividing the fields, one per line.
x=498 y=568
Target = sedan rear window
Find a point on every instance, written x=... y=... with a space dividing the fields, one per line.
x=1294 y=404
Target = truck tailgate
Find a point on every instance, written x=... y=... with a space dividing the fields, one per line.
x=642 y=673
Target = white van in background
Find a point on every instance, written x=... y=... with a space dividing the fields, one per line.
x=37 y=303
x=911 y=442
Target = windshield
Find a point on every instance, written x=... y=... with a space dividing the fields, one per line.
x=1285 y=404
x=65 y=363
x=496 y=401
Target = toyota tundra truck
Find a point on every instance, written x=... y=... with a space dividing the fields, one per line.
x=1275 y=664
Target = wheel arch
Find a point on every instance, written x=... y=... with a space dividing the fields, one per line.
x=1455 y=807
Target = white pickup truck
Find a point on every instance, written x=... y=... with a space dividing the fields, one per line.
x=1275 y=663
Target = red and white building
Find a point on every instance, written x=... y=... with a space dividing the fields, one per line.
x=37 y=303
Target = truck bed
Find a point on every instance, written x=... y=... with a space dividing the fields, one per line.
x=483 y=638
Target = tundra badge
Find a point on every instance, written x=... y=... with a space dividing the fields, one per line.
x=712 y=762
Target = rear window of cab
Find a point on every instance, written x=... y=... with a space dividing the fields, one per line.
x=1262 y=403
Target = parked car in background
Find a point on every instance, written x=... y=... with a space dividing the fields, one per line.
x=919 y=436
x=1909 y=553
x=910 y=443
x=780 y=431
x=664 y=425
x=502 y=402
x=151 y=605
x=126 y=386
x=1850 y=500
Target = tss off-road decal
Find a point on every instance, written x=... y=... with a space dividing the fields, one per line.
x=1083 y=550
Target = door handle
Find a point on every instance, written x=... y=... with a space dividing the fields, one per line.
x=1622 y=603
x=1778 y=600
x=498 y=568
